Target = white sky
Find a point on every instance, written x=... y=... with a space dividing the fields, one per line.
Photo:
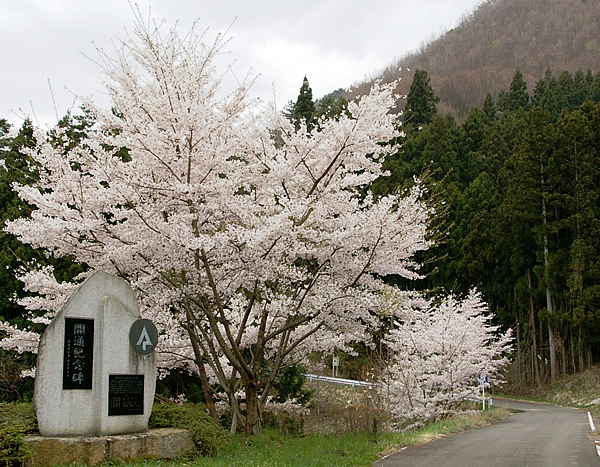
x=335 y=43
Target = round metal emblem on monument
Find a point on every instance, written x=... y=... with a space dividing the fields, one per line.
x=143 y=336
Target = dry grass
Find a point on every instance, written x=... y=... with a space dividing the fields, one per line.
x=339 y=409
x=579 y=390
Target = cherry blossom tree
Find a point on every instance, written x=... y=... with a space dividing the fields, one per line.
x=249 y=252
x=437 y=353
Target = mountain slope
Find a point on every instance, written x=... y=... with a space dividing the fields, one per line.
x=481 y=54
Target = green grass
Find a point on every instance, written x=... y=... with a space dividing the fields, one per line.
x=274 y=449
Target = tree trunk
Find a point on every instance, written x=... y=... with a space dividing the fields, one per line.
x=253 y=419
x=563 y=355
x=519 y=368
x=532 y=327
x=580 y=350
x=549 y=306
x=551 y=339
x=208 y=391
x=206 y=387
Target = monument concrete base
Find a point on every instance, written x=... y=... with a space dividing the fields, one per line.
x=163 y=443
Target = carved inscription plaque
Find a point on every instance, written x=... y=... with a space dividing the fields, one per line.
x=125 y=395
x=78 y=354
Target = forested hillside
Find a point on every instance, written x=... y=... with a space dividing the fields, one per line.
x=481 y=54
x=517 y=186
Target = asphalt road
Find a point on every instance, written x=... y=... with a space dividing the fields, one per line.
x=539 y=435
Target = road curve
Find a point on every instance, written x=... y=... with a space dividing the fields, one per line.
x=538 y=435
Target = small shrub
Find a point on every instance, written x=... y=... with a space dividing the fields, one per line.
x=208 y=436
x=16 y=420
x=18 y=413
x=290 y=385
x=12 y=386
x=360 y=418
x=285 y=422
x=13 y=449
x=178 y=383
x=337 y=418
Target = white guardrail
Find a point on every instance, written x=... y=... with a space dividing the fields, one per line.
x=346 y=382
x=365 y=384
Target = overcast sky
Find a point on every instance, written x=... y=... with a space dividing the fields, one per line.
x=335 y=43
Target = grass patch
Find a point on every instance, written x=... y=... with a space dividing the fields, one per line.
x=273 y=448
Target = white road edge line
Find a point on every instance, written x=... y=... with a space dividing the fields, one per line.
x=592 y=426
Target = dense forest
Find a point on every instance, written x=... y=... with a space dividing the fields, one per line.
x=479 y=56
x=516 y=185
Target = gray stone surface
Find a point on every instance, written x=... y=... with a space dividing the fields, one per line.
x=110 y=302
x=164 y=443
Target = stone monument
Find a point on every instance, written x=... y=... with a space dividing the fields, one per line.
x=96 y=369
x=95 y=382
